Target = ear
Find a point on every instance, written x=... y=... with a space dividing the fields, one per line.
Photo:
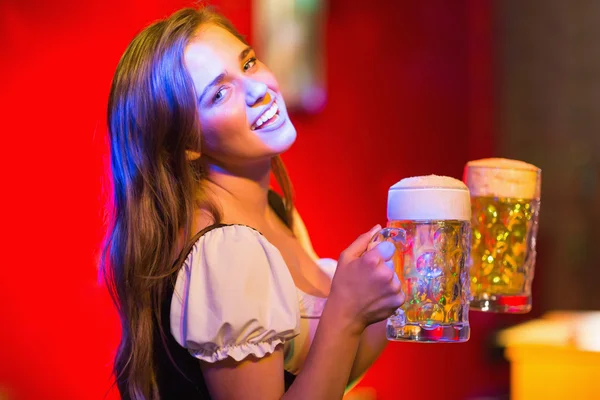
x=192 y=155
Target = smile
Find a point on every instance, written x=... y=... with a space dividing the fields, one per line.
x=267 y=118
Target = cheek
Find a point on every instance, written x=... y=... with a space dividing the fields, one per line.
x=222 y=126
x=265 y=75
x=225 y=117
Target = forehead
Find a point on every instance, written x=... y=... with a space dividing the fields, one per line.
x=212 y=51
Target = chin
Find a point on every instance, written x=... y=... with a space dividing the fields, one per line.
x=285 y=139
x=279 y=140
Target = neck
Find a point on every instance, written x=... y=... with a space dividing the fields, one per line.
x=240 y=191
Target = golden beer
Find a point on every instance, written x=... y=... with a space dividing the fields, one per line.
x=503 y=252
x=505 y=205
x=432 y=267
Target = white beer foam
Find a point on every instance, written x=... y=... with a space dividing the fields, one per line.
x=502 y=177
x=429 y=197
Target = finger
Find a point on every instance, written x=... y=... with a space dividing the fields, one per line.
x=360 y=244
x=390 y=265
x=398 y=300
x=382 y=252
x=392 y=302
x=386 y=250
x=371 y=258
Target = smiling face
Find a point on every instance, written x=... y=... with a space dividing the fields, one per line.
x=242 y=114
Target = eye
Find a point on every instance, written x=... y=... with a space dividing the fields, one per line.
x=250 y=63
x=220 y=94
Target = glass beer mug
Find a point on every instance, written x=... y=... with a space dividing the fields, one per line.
x=428 y=221
x=505 y=199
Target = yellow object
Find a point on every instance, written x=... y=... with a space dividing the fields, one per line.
x=552 y=372
x=555 y=357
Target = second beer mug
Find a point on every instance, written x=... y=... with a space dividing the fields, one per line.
x=428 y=221
x=505 y=195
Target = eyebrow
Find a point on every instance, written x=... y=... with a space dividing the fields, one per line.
x=212 y=83
x=243 y=54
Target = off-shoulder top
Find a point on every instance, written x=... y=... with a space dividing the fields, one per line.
x=233 y=297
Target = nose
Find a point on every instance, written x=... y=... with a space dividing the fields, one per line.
x=255 y=91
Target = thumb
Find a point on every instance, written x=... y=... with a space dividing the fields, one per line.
x=360 y=244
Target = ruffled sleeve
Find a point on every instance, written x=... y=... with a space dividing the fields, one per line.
x=233 y=297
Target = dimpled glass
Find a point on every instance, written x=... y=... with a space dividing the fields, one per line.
x=505 y=205
x=431 y=263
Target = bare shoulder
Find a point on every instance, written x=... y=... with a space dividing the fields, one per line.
x=202 y=219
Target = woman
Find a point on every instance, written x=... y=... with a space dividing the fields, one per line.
x=218 y=288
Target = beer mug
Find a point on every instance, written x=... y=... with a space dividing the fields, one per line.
x=505 y=200
x=428 y=221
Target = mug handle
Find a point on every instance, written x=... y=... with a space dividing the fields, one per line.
x=397 y=236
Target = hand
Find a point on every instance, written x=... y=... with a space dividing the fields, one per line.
x=364 y=289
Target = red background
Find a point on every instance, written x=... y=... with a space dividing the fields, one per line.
x=410 y=92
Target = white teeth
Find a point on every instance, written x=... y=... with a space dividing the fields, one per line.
x=267 y=115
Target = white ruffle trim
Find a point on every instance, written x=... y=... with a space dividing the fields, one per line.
x=310 y=306
x=238 y=352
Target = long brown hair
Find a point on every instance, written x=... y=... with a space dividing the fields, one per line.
x=152 y=121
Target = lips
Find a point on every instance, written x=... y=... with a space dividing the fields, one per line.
x=267 y=117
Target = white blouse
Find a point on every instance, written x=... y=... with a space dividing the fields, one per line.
x=234 y=296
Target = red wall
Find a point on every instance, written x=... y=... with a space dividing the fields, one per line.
x=409 y=93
